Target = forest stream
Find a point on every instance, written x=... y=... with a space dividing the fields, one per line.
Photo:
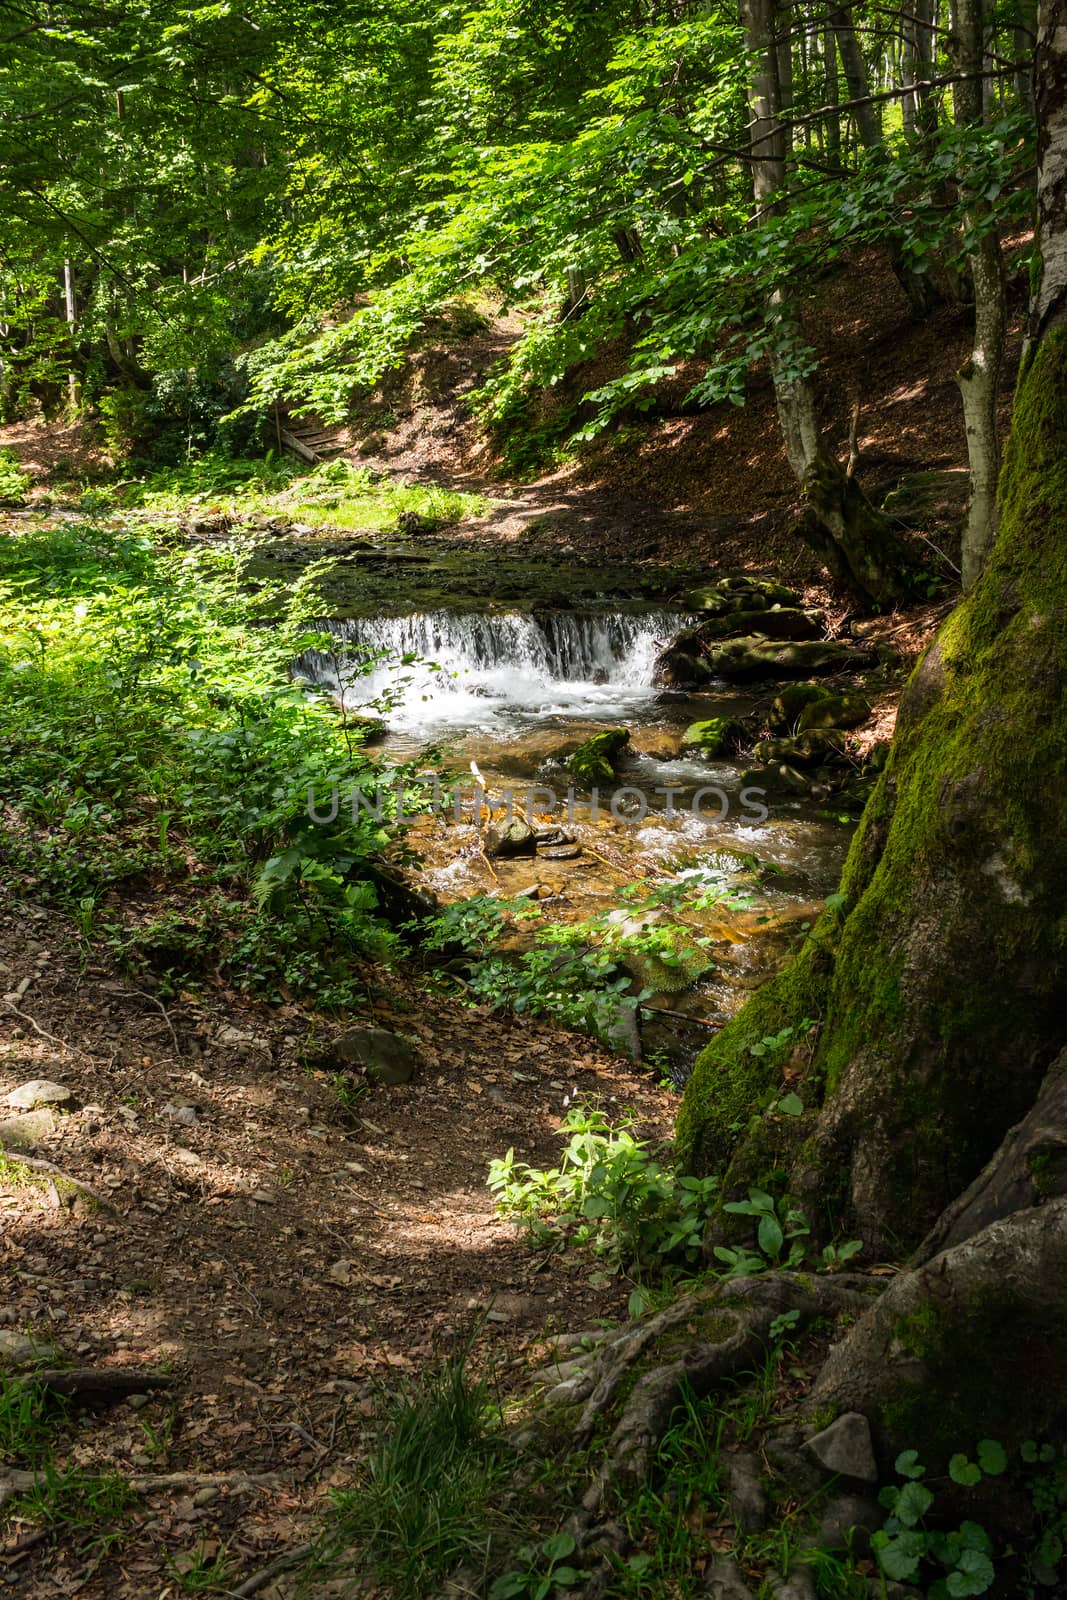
x=482 y=686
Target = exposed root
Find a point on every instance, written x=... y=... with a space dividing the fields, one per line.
x=94 y=1383
x=696 y=1343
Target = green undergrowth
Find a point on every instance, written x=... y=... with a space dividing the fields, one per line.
x=428 y=1496
x=13 y=480
x=89 y=1508
x=589 y=973
x=334 y=493
x=158 y=762
x=629 y=1206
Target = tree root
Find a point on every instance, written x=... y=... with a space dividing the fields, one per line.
x=14 y=1483
x=283 y=1563
x=696 y=1343
x=94 y=1383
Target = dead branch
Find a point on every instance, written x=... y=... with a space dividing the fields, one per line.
x=105 y=1383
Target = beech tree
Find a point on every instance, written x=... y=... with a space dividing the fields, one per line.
x=932 y=990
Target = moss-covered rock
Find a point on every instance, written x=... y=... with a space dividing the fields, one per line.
x=596 y=760
x=790 y=703
x=835 y=711
x=715 y=737
x=776 y=623
x=746 y=659
x=804 y=750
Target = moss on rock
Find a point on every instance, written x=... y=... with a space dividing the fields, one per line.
x=595 y=761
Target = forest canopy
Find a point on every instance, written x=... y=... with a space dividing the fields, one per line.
x=254 y=203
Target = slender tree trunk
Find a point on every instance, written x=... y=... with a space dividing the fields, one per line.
x=857 y=544
x=856 y=80
x=69 y=311
x=833 y=120
x=921 y=293
x=979 y=377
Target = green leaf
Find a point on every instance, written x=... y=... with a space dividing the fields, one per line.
x=973 y=1575
x=992 y=1457
x=791 y=1105
x=899 y=1555
x=770 y=1237
x=507 y=1587
x=964 y=1472
x=558 y=1546
x=915 y=1501
x=907 y=1465
x=567 y=1577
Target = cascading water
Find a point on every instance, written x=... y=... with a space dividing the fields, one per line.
x=471 y=669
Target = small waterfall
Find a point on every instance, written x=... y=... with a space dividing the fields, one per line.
x=465 y=668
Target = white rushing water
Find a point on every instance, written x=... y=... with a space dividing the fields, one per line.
x=469 y=669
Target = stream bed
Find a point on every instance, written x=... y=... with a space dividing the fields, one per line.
x=494 y=695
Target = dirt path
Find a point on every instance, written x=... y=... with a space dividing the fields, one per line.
x=278 y=1251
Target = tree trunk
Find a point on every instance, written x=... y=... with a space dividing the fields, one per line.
x=936 y=982
x=979 y=377
x=857 y=544
x=922 y=294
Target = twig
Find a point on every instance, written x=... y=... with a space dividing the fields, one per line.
x=285 y=1563
x=43 y=1033
x=12 y=1554
x=38 y=1164
x=683 y=1016
x=125 y=994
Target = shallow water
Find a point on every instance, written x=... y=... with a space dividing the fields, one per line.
x=510 y=693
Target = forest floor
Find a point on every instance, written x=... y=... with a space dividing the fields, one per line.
x=276 y=1248
x=279 y=1249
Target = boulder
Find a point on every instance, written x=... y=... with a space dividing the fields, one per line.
x=776 y=623
x=26 y=1129
x=385 y=1057
x=845 y=1448
x=37 y=1092
x=714 y=737
x=596 y=759
x=19 y=1351
x=835 y=711
x=805 y=750
x=791 y=702
x=742 y=660
x=514 y=838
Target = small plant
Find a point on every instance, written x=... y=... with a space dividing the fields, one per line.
x=158 y=1440
x=609 y=1193
x=28 y=1418
x=202 y=1569
x=904 y=1546
x=424 y=1502
x=778 y=1224
x=13 y=481
x=544 y=1568
x=78 y=1503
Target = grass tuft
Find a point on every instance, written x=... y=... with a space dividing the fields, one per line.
x=423 y=1504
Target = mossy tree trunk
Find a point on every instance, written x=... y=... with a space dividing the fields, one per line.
x=936 y=982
